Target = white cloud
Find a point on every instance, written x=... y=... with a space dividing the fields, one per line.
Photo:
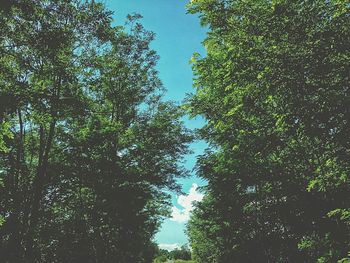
x=169 y=247
x=182 y=215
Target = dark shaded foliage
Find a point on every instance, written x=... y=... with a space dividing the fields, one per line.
x=274 y=89
x=87 y=147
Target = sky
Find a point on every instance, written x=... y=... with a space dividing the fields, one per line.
x=178 y=36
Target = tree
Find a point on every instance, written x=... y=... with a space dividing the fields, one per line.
x=87 y=145
x=274 y=91
x=182 y=253
x=161 y=255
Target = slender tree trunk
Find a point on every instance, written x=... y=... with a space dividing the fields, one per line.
x=38 y=189
x=14 y=249
x=39 y=181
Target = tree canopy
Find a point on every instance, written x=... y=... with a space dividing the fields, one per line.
x=87 y=144
x=89 y=148
x=274 y=90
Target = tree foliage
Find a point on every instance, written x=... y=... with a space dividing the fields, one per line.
x=87 y=146
x=274 y=89
x=178 y=254
x=182 y=253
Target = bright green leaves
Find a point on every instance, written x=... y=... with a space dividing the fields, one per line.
x=342 y=214
x=275 y=96
x=5 y=134
x=345 y=260
x=2 y=221
x=329 y=175
x=233 y=111
x=307 y=243
x=194 y=58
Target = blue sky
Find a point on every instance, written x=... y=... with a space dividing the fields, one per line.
x=178 y=36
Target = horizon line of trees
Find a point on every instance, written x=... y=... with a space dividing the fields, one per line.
x=182 y=253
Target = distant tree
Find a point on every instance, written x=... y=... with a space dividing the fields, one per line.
x=161 y=255
x=183 y=253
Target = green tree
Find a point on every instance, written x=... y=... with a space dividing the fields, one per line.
x=161 y=256
x=182 y=253
x=274 y=91
x=87 y=146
